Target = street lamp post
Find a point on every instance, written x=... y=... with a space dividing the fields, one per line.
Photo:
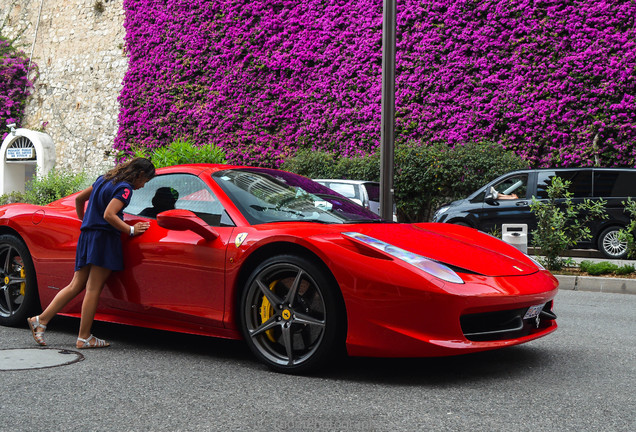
x=387 y=132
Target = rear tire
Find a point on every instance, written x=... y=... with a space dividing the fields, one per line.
x=19 y=297
x=609 y=244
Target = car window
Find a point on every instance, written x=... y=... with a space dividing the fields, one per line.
x=517 y=185
x=612 y=184
x=265 y=195
x=373 y=190
x=581 y=182
x=348 y=190
x=178 y=191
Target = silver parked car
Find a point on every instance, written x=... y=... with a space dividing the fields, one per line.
x=365 y=193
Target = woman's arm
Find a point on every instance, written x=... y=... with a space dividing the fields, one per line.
x=80 y=201
x=110 y=215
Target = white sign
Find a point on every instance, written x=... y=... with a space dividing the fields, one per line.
x=20 y=153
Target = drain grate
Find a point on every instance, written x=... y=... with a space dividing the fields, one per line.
x=37 y=358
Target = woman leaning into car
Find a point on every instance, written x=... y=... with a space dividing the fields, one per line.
x=99 y=248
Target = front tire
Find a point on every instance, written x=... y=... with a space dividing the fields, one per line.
x=290 y=316
x=19 y=296
x=610 y=245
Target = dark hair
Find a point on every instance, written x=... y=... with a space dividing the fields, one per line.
x=131 y=171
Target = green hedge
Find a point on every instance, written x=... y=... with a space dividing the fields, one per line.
x=180 y=151
x=604 y=267
x=425 y=176
x=48 y=188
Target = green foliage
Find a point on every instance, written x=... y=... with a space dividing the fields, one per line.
x=625 y=269
x=182 y=151
x=53 y=186
x=628 y=234
x=604 y=267
x=559 y=222
x=312 y=163
x=428 y=176
x=12 y=197
x=495 y=232
x=425 y=176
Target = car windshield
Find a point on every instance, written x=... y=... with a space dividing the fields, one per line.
x=267 y=195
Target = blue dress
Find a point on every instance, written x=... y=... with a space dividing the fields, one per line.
x=99 y=242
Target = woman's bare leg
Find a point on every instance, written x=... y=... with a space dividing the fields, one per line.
x=96 y=281
x=66 y=294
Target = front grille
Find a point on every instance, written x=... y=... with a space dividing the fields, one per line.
x=501 y=325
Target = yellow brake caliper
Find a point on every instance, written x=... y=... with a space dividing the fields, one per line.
x=23 y=284
x=267 y=310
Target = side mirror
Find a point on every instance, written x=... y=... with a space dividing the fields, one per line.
x=490 y=196
x=184 y=220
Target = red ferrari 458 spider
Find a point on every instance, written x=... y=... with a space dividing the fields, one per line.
x=296 y=270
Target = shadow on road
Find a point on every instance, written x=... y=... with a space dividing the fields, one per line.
x=123 y=336
x=507 y=363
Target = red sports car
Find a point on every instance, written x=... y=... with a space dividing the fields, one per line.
x=288 y=265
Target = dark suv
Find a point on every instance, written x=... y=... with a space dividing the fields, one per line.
x=507 y=200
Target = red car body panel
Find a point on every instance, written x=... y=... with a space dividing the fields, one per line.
x=179 y=281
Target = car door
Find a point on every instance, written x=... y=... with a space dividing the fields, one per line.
x=175 y=276
x=615 y=186
x=496 y=212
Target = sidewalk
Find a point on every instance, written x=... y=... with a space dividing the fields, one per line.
x=597 y=284
x=615 y=285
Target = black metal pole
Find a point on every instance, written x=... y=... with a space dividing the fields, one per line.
x=387 y=132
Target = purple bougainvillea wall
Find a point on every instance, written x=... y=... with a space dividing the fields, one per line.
x=15 y=85
x=553 y=80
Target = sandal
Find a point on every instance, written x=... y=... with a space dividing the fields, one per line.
x=34 y=324
x=99 y=343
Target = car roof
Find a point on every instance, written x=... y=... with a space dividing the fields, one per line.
x=344 y=181
x=573 y=169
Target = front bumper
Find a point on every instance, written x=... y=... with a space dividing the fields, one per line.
x=389 y=320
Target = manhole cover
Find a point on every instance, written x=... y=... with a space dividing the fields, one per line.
x=37 y=358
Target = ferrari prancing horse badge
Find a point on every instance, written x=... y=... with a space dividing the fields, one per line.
x=240 y=238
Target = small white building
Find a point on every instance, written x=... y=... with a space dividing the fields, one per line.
x=24 y=154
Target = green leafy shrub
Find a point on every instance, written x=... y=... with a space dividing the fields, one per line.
x=53 y=186
x=183 y=151
x=625 y=269
x=425 y=176
x=628 y=234
x=598 y=268
x=559 y=222
x=12 y=197
x=313 y=164
x=604 y=267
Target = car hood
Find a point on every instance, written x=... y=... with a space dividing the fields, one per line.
x=458 y=246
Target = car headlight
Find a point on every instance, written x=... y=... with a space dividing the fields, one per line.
x=427 y=265
x=440 y=212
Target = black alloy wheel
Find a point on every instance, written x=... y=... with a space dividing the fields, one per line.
x=290 y=315
x=19 y=297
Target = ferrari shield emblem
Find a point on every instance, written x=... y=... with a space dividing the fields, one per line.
x=240 y=238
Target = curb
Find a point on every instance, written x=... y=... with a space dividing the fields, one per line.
x=597 y=284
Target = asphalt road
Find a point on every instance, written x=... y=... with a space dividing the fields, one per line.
x=581 y=378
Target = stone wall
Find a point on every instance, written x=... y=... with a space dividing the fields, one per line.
x=79 y=49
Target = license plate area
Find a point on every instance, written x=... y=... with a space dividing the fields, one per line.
x=533 y=311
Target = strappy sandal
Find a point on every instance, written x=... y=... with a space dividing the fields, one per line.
x=34 y=324
x=99 y=343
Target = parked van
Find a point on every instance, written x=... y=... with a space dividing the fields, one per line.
x=507 y=200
